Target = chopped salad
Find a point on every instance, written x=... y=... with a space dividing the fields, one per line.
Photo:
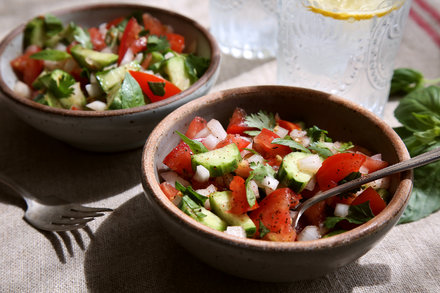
x=245 y=179
x=127 y=62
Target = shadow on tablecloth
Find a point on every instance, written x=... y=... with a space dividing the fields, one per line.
x=130 y=252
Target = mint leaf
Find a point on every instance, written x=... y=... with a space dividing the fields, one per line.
x=196 y=146
x=290 y=143
x=405 y=80
x=51 y=55
x=157 y=88
x=263 y=230
x=189 y=191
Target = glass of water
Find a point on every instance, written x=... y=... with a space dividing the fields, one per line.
x=245 y=28
x=344 y=47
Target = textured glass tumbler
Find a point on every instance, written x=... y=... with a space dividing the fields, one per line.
x=245 y=28
x=349 y=52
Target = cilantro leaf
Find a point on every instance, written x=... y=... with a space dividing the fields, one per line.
x=196 y=146
x=189 y=191
x=76 y=33
x=321 y=149
x=317 y=134
x=60 y=85
x=51 y=55
x=290 y=143
x=157 y=88
x=156 y=43
x=263 y=230
x=196 y=66
x=357 y=214
x=261 y=171
x=261 y=120
x=345 y=146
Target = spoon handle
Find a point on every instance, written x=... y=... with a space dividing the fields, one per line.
x=412 y=163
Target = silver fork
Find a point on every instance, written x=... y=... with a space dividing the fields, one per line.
x=55 y=216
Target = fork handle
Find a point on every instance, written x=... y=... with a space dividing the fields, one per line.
x=15 y=187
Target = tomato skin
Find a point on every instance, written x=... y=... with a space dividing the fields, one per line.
x=274 y=214
x=153 y=25
x=179 y=160
x=169 y=190
x=337 y=167
x=239 y=203
x=316 y=214
x=234 y=138
x=288 y=125
x=196 y=125
x=139 y=45
x=377 y=204
x=115 y=22
x=374 y=164
x=143 y=78
x=177 y=42
x=97 y=39
x=131 y=33
x=26 y=67
x=243 y=169
x=263 y=145
x=237 y=123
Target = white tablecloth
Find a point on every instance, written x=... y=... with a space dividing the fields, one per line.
x=128 y=251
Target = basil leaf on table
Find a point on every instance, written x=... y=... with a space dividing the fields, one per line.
x=405 y=80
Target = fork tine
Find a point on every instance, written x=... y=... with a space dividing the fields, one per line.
x=72 y=221
x=80 y=208
x=76 y=214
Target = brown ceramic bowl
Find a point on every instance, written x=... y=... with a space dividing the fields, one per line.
x=108 y=130
x=276 y=261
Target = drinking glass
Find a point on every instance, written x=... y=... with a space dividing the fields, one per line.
x=344 y=47
x=245 y=28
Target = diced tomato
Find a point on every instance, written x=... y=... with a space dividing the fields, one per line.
x=344 y=199
x=147 y=60
x=179 y=160
x=139 y=45
x=234 y=138
x=237 y=124
x=288 y=125
x=26 y=67
x=153 y=25
x=144 y=78
x=243 y=169
x=337 y=167
x=196 y=125
x=169 y=190
x=377 y=204
x=374 y=164
x=316 y=214
x=97 y=39
x=239 y=203
x=275 y=216
x=275 y=162
x=69 y=47
x=263 y=145
x=131 y=34
x=177 y=42
x=114 y=22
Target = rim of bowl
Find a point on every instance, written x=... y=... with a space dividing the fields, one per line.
x=210 y=72
x=151 y=185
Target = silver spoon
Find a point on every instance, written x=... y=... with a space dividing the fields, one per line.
x=412 y=163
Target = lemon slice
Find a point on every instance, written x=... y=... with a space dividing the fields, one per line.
x=354 y=9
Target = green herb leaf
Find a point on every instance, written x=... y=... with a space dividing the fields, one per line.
x=350 y=177
x=250 y=195
x=76 y=33
x=51 y=55
x=344 y=147
x=252 y=132
x=60 y=85
x=189 y=191
x=321 y=149
x=196 y=66
x=157 y=88
x=156 y=43
x=333 y=233
x=290 y=143
x=52 y=25
x=406 y=80
x=261 y=120
x=317 y=134
x=196 y=146
x=191 y=208
x=357 y=214
x=261 y=171
x=252 y=151
x=263 y=230
x=131 y=93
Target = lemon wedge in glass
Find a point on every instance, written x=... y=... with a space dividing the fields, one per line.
x=354 y=9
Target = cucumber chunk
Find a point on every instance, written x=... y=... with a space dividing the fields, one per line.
x=289 y=173
x=202 y=215
x=218 y=162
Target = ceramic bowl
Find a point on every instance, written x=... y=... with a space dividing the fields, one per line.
x=276 y=261
x=108 y=130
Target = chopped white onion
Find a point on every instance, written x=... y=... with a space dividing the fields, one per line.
x=309 y=233
x=269 y=183
x=93 y=89
x=22 y=89
x=171 y=177
x=256 y=158
x=203 y=133
x=103 y=28
x=293 y=215
x=254 y=187
x=107 y=50
x=297 y=133
x=217 y=129
x=202 y=174
x=52 y=65
x=97 y=106
x=93 y=78
x=310 y=164
x=280 y=131
x=139 y=57
x=237 y=231
x=311 y=184
x=210 y=142
x=207 y=205
x=377 y=157
x=363 y=170
x=128 y=57
x=379 y=183
x=168 y=55
x=341 y=210
x=208 y=190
